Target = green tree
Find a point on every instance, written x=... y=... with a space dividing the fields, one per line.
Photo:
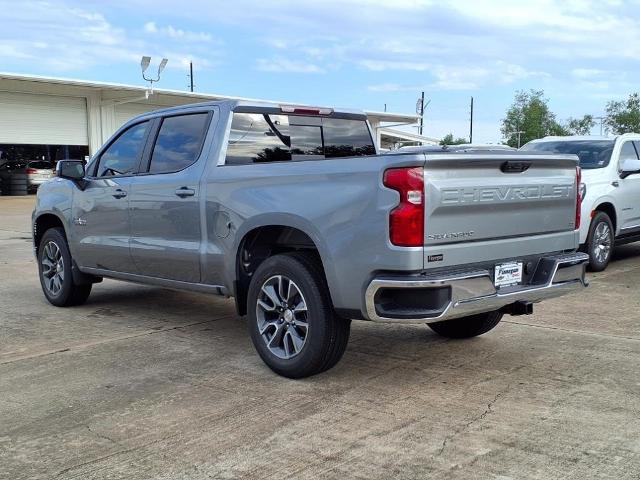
x=530 y=115
x=580 y=126
x=624 y=116
x=449 y=140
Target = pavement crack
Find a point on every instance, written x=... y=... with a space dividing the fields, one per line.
x=474 y=420
x=100 y=435
x=109 y=340
x=569 y=330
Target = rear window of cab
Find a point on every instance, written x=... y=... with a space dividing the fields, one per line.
x=266 y=137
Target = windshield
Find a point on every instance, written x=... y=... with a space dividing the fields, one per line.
x=592 y=153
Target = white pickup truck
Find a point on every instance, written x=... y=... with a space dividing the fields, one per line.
x=610 y=190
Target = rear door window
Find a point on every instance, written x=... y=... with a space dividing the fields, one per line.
x=628 y=152
x=178 y=143
x=123 y=155
x=257 y=138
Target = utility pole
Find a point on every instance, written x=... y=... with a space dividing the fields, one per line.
x=519 y=132
x=420 y=106
x=601 y=122
x=191 y=75
x=471 y=123
x=421 y=112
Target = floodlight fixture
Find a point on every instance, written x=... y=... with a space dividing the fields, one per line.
x=144 y=63
x=163 y=64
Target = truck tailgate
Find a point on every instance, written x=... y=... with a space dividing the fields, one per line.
x=482 y=197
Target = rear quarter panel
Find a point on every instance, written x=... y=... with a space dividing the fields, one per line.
x=340 y=204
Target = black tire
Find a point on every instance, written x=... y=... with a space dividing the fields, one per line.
x=600 y=242
x=467 y=327
x=326 y=335
x=69 y=293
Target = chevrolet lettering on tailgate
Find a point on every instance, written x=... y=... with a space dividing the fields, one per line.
x=509 y=193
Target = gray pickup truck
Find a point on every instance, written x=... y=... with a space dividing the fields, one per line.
x=292 y=211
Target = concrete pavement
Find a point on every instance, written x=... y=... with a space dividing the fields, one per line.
x=147 y=383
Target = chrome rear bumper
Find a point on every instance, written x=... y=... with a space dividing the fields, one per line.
x=473 y=292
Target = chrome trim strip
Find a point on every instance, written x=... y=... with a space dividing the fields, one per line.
x=159 y=282
x=473 y=292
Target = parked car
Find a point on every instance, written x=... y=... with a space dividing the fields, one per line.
x=30 y=173
x=291 y=211
x=610 y=187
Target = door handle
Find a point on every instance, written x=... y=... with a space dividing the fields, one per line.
x=184 y=192
x=119 y=193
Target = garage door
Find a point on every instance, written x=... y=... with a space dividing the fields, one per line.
x=127 y=111
x=42 y=119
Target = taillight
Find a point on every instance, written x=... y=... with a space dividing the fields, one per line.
x=406 y=221
x=578 y=197
x=32 y=170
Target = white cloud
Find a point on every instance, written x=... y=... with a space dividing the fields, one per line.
x=177 y=33
x=587 y=73
x=63 y=38
x=382 y=65
x=150 y=27
x=281 y=64
x=454 y=77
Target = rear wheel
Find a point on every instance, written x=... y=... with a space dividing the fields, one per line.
x=54 y=268
x=467 y=327
x=600 y=242
x=291 y=319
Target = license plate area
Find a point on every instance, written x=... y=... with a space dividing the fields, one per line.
x=507 y=274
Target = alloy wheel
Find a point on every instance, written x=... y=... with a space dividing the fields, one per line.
x=52 y=268
x=282 y=316
x=602 y=242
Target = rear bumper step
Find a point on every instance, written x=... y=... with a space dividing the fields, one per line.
x=431 y=298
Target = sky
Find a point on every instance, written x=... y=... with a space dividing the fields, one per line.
x=346 y=53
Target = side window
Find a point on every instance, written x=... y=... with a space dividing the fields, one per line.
x=178 y=143
x=276 y=138
x=123 y=155
x=628 y=152
x=256 y=138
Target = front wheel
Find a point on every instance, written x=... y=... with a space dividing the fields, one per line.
x=600 y=242
x=467 y=327
x=291 y=319
x=54 y=268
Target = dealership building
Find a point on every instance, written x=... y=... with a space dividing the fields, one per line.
x=44 y=118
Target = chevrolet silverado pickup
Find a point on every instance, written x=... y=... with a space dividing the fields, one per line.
x=292 y=211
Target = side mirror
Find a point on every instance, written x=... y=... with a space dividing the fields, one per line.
x=629 y=166
x=71 y=169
